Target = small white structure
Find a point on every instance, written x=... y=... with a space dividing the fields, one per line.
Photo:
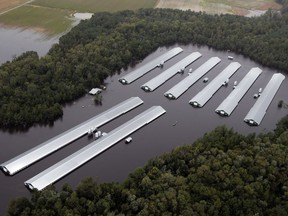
x=256 y=95
x=260 y=90
x=205 y=80
x=98 y=134
x=230 y=57
x=95 y=91
x=128 y=140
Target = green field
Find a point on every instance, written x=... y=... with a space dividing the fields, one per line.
x=50 y=21
x=55 y=16
x=96 y=5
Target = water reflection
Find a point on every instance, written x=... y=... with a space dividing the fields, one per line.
x=15 y=41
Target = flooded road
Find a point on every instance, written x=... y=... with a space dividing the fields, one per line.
x=182 y=124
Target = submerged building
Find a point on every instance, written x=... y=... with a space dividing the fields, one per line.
x=181 y=87
x=231 y=102
x=179 y=67
x=222 y=79
x=31 y=156
x=258 y=111
x=90 y=151
x=136 y=74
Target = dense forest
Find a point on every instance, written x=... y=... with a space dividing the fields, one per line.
x=33 y=89
x=223 y=173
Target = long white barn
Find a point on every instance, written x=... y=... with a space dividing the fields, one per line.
x=203 y=96
x=181 y=87
x=231 y=102
x=258 y=111
x=136 y=74
x=157 y=81
x=31 y=156
x=85 y=154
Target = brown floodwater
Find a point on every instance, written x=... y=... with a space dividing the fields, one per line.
x=162 y=135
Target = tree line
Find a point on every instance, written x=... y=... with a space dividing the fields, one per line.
x=33 y=89
x=222 y=173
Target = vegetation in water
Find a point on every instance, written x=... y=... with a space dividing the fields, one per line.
x=32 y=89
x=98 y=99
x=223 y=173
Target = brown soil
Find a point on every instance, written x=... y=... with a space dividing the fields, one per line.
x=269 y=5
x=6 y=4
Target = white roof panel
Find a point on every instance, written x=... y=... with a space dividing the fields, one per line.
x=258 y=111
x=31 y=156
x=231 y=102
x=90 y=151
x=203 y=96
x=154 y=83
x=177 y=90
x=136 y=74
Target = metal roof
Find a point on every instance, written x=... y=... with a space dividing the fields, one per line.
x=90 y=151
x=231 y=102
x=94 y=91
x=154 y=83
x=136 y=74
x=258 y=111
x=31 y=156
x=203 y=96
x=177 y=90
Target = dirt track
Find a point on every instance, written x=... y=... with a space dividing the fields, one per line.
x=7 y=4
x=11 y=5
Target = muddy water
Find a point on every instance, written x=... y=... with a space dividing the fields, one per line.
x=154 y=139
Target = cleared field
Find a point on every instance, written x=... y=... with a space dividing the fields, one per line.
x=242 y=7
x=50 y=21
x=8 y=4
x=96 y=5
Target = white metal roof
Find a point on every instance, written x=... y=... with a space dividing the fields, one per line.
x=94 y=91
x=90 y=151
x=154 y=83
x=177 y=90
x=231 y=102
x=258 y=111
x=203 y=96
x=31 y=156
x=136 y=74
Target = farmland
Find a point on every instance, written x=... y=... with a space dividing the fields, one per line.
x=56 y=16
x=220 y=6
